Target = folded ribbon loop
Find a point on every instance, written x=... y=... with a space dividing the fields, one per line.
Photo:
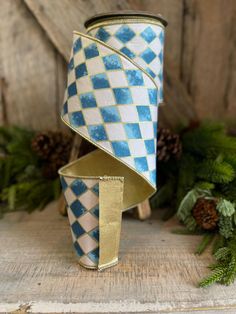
x=113 y=91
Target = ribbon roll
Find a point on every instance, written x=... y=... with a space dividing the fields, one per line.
x=115 y=78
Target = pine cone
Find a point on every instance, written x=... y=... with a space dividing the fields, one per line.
x=168 y=145
x=205 y=213
x=42 y=144
x=54 y=148
x=46 y=144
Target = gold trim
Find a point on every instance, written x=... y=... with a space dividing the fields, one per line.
x=118 y=52
x=130 y=20
x=110 y=209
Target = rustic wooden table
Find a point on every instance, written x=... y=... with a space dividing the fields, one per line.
x=157 y=273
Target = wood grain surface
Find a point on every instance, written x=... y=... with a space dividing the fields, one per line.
x=28 y=70
x=200 y=57
x=50 y=15
x=157 y=272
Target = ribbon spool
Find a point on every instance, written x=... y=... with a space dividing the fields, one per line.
x=114 y=87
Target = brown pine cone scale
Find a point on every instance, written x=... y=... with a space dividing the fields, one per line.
x=168 y=145
x=205 y=213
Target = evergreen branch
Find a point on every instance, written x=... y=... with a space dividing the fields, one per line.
x=206 y=240
x=216 y=276
x=226 y=226
x=216 y=172
x=204 y=185
x=225 y=208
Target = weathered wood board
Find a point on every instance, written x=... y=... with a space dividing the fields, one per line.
x=157 y=273
x=29 y=70
x=200 y=51
x=209 y=57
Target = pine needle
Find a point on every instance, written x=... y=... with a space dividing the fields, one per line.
x=206 y=240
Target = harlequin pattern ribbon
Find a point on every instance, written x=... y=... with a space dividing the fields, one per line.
x=115 y=78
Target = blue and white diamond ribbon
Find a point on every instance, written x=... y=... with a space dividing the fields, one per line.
x=115 y=83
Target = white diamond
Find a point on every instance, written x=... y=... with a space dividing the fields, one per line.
x=128 y=113
x=92 y=116
x=115 y=131
x=85 y=260
x=104 y=97
x=88 y=222
x=151 y=161
x=117 y=78
x=95 y=66
x=146 y=130
x=69 y=196
x=87 y=243
x=140 y=95
x=88 y=199
x=73 y=104
x=90 y=182
x=84 y=85
x=137 y=148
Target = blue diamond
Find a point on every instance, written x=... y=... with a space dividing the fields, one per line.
x=141 y=164
x=71 y=64
x=65 y=109
x=123 y=96
x=95 y=234
x=97 y=132
x=135 y=77
x=77 y=208
x=100 y=81
x=94 y=255
x=161 y=37
x=144 y=113
x=150 y=146
x=78 y=249
x=95 y=211
x=148 y=34
x=150 y=72
x=102 y=34
x=81 y=70
x=95 y=189
x=77 y=119
x=152 y=93
x=128 y=52
x=148 y=55
x=155 y=128
x=160 y=56
x=125 y=34
x=112 y=62
x=153 y=177
x=63 y=183
x=110 y=114
x=88 y=100
x=132 y=130
x=91 y=51
x=121 y=148
x=77 y=229
x=78 y=187
x=77 y=45
x=72 y=90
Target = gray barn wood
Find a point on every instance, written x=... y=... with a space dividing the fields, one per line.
x=157 y=273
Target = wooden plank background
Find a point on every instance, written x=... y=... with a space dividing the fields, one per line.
x=35 y=40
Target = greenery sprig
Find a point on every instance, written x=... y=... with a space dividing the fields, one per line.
x=206 y=170
x=22 y=184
